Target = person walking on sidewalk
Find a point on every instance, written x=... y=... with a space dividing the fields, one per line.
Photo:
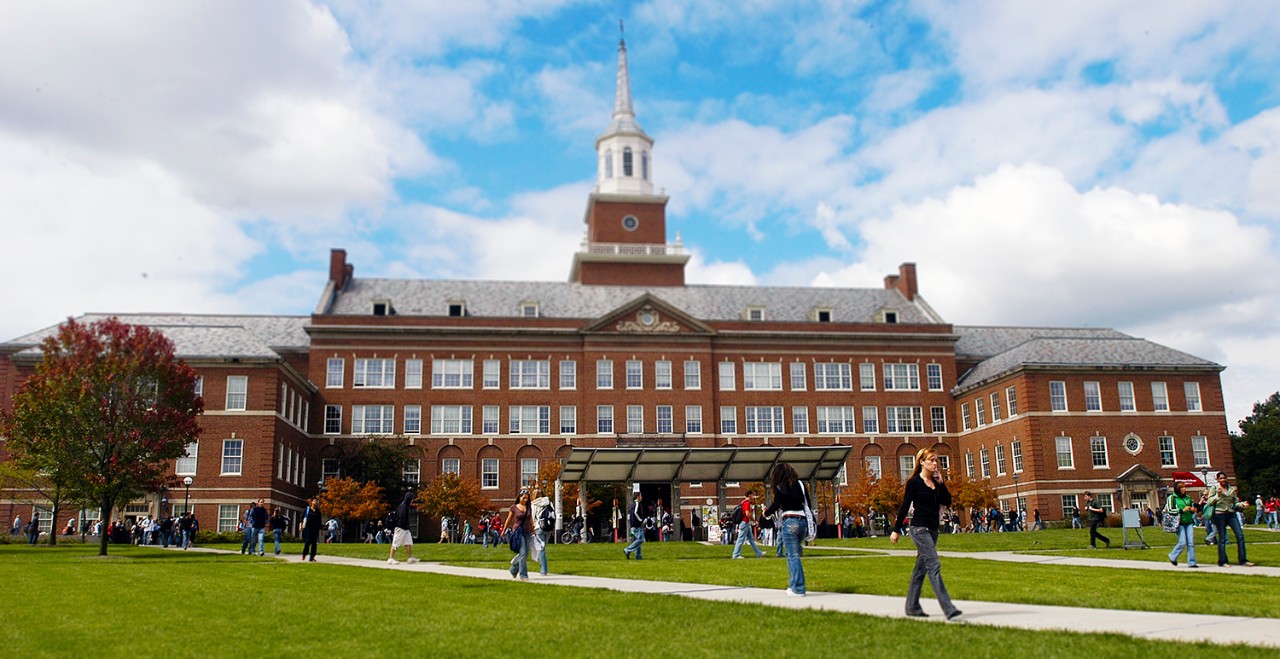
x=925 y=495
x=543 y=513
x=745 y=534
x=1097 y=516
x=519 y=522
x=1180 y=501
x=636 y=517
x=790 y=499
x=310 y=527
x=1224 y=501
x=402 y=537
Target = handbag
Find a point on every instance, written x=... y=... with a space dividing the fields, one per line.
x=516 y=539
x=1170 y=520
x=811 y=530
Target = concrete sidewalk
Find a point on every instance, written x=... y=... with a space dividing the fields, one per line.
x=1209 y=567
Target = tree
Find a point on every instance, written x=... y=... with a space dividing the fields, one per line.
x=107 y=408
x=969 y=493
x=1256 y=450
x=379 y=460
x=451 y=496
x=350 y=500
x=17 y=479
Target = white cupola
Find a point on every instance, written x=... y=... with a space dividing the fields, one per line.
x=624 y=152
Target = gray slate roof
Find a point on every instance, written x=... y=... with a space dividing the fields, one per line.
x=201 y=336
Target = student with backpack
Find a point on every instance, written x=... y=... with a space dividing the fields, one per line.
x=544 y=515
x=742 y=518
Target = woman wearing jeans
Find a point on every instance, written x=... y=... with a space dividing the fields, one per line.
x=789 y=498
x=1223 y=500
x=928 y=494
x=1182 y=502
x=520 y=520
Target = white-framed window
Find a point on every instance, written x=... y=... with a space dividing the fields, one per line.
x=755 y=314
x=873 y=466
x=1200 y=451
x=330 y=468
x=901 y=377
x=491 y=376
x=568 y=374
x=933 y=373
x=800 y=420
x=604 y=374
x=232 y=456
x=728 y=420
x=1092 y=397
x=666 y=422
x=1015 y=447
x=568 y=420
x=635 y=374
x=693 y=419
x=938 y=418
x=529 y=419
x=199 y=388
x=186 y=465
x=451 y=419
x=1058 y=396
x=528 y=472
x=412 y=419
x=1066 y=457
x=1192 y=390
x=832 y=376
x=228 y=518
x=968 y=464
x=870 y=420
x=1159 y=397
x=529 y=374
x=1069 y=504
x=836 y=419
x=981 y=407
x=798 y=376
x=693 y=374
x=904 y=418
x=1167 y=456
x=490 y=420
x=727 y=376
x=411 y=472
x=604 y=419
x=995 y=407
x=1011 y=397
x=413 y=374
x=488 y=473
x=1000 y=460
x=764 y=420
x=1098 y=452
x=237 y=392
x=372 y=419
x=529 y=310
x=334 y=372
x=906 y=465
x=984 y=458
x=450 y=374
x=1104 y=502
x=635 y=419
x=375 y=373
x=1125 y=390
x=762 y=376
x=451 y=466
x=662 y=374
x=866 y=376
x=964 y=416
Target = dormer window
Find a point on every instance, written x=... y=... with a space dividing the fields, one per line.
x=822 y=315
x=529 y=310
x=755 y=313
x=627 y=166
x=383 y=308
x=457 y=309
x=890 y=317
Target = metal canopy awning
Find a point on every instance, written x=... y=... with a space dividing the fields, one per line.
x=686 y=465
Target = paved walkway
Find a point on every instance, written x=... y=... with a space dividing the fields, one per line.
x=1209 y=567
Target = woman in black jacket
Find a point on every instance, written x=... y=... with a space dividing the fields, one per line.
x=790 y=498
x=927 y=493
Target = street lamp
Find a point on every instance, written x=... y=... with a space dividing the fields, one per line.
x=186 y=505
x=1017 y=501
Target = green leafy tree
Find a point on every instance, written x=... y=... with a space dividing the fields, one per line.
x=1256 y=450
x=451 y=496
x=379 y=460
x=36 y=487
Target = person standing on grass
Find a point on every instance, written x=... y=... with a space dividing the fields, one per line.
x=246 y=525
x=1224 y=501
x=1097 y=516
x=790 y=499
x=277 y=522
x=1039 y=524
x=744 y=529
x=636 y=517
x=925 y=495
x=1180 y=501
x=1273 y=511
x=33 y=529
x=402 y=537
x=520 y=523
x=310 y=528
x=1258 y=510
x=541 y=504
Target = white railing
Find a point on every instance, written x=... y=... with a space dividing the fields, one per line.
x=634 y=249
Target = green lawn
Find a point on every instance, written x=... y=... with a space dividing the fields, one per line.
x=142 y=602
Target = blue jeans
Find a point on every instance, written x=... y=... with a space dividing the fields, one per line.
x=166 y=538
x=637 y=541
x=277 y=534
x=542 y=555
x=520 y=563
x=1186 y=538
x=1229 y=519
x=1257 y=515
x=745 y=535
x=927 y=564
x=1272 y=522
x=791 y=537
x=255 y=539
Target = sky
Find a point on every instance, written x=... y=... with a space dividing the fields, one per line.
x=1109 y=164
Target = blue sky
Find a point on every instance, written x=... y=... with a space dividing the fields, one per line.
x=1054 y=164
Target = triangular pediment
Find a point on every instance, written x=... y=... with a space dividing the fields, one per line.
x=1137 y=473
x=648 y=315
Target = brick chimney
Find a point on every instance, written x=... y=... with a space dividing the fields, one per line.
x=340 y=272
x=904 y=281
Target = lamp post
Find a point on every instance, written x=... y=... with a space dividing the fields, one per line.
x=186 y=504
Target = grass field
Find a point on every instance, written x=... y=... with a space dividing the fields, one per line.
x=142 y=602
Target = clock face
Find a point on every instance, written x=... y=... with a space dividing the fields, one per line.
x=630 y=223
x=1132 y=444
x=648 y=318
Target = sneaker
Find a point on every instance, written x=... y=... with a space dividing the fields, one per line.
x=794 y=593
x=1174 y=562
x=627 y=554
x=955 y=613
x=917 y=614
x=391 y=561
x=412 y=560
x=1193 y=565
x=737 y=556
x=759 y=554
x=1247 y=564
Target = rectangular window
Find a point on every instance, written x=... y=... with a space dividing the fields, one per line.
x=492 y=376
x=237 y=392
x=870 y=420
x=412 y=419
x=662 y=374
x=186 y=465
x=232 y=456
x=1192 y=390
x=901 y=377
x=199 y=385
x=1126 y=397
x=964 y=416
x=933 y=372
x=764 y=420
x=906 y=465
x=728 y=421
x=568 y=374
x=413 y=374
x=529 y=419
x=904 y=419
x=798 y=376
x=666 y=424
x=1200 y=451
x=995 y=407
x=451 y=374
x=1016 y=448
x=635 y=374
x=938 y=418
x=982 y=412
x=604 y=374
x=693 y=419
x=968 y=464
x=1011 y=397
x=489 y=473
x=985 y=459
x=330 y=468
x=873 y=466
x=334 y=372
x=372 y=419
x=451 y=419
x=451 y=466
x=866 y=376
x=727 y=382
x=1000 y=461
x=568 y=420
x=604 y=419
x=635 y=419
x=1058 y=396
x=834 y=420
x=1092 y=397
x=529 y=374
x=1167 y=457
x=1104 y=502
x=693 y=374
x=762 y=376
x=800 y=420
x=490 y=421
x=1068 y=505
x=1159 y=397
x=831 y=376
x=1098 y=450
x=528 y=472
x=375 y=373
x=1066 y=458
x=412 y=471
x=944 y=463
x=228 y=518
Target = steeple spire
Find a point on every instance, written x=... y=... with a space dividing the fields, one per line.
x=622 y=99
x=624 y=148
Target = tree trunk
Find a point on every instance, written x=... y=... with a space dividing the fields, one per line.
x=53 y=525
x=104 y=519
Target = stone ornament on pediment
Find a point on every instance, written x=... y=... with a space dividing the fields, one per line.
x=648 y=321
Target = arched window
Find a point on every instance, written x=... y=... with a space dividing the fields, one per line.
x=626 y=162
x=608 y=163
x=644 y=165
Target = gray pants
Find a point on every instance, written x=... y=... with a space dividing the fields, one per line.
x=927 y=563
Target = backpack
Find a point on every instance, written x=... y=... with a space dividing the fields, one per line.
x=736 y=517
x=390 y=521
x=547 y=519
